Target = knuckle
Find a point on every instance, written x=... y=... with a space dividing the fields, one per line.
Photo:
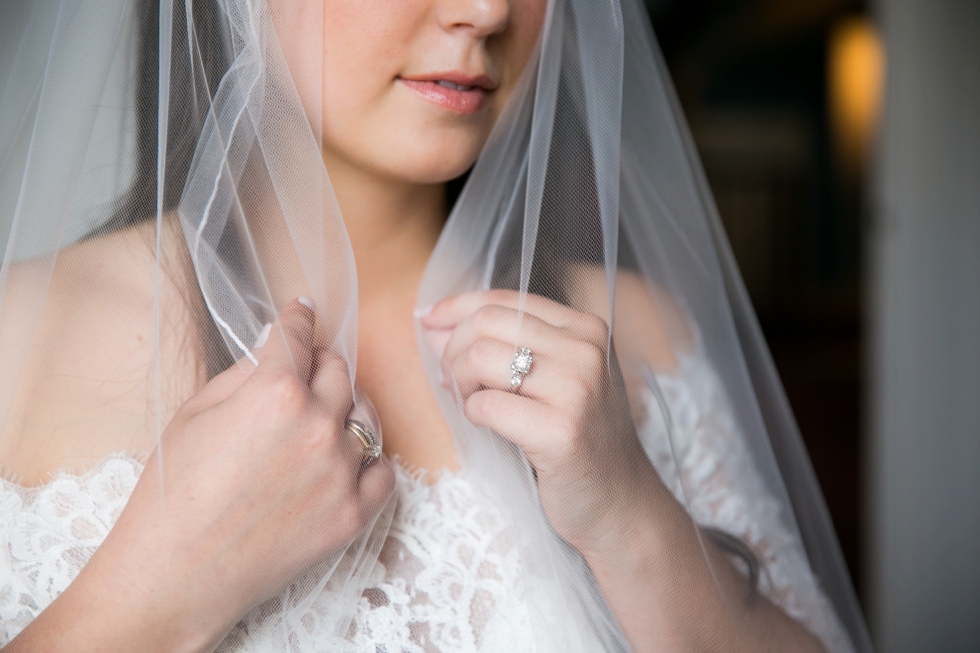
x=592 y=359
x=571 y=424
x=484 y=315
x=499 y=295
x=585 y=365
x=489 y=315
x=477 y=352
x=285 y=394
x=596 y=328
x=315 y=440
x=332 y=369
x=331 y=360
x=481 y=406
x=325 y=429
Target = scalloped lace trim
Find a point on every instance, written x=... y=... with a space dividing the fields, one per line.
x=449 y=578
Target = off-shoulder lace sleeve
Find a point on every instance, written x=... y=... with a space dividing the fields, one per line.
x=706 y=464
x=48 y=533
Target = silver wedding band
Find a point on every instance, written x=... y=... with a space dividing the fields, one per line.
x=371 y=450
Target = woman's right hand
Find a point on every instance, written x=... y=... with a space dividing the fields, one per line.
x=254 y=480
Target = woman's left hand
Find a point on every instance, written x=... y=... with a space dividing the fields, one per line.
x=570 y=415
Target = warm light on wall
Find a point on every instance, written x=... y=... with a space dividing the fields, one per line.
x=856 y=73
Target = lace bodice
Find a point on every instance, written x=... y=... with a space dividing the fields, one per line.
x=449 y=578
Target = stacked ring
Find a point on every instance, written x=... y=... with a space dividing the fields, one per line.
x=371 y=450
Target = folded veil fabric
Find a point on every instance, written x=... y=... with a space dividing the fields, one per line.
x=177 y=130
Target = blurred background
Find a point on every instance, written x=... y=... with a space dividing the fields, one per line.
x=841 y=139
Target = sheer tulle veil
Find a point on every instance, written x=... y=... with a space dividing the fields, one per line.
x=181 y=124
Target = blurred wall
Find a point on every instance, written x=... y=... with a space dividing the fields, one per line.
x=923 y=560
x=761 y=83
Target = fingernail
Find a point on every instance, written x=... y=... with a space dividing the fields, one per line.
x=422 y=311
x=262 y=337
x=306 y=301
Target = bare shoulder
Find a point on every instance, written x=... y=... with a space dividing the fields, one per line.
x=648 y=324
x=78 y=342
x=110 y=274
x=117 y=268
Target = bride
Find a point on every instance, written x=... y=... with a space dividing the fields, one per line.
x=485 y=211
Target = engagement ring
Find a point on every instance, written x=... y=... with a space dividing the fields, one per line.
x=520 y=366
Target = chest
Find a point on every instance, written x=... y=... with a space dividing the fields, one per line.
x=389 y=370
x=449 y=576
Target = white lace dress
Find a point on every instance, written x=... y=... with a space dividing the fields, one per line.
x=449 y=578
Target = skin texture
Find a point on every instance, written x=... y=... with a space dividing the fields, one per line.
x=176 y=574
x=179 y=569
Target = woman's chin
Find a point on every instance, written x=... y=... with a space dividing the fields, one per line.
x=409 y=141
x=425 y=166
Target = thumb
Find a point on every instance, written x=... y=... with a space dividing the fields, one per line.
x=288 y=348
x=290 y=343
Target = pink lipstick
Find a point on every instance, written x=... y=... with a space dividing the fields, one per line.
x=452 y=90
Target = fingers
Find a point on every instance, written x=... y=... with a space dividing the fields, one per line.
x=311 y=383
x=565 y=388
x=509 y=415
x=290 y=344
x=450 y=312
x=481 y=348
x=220 y=387
x=499 y=323
x=333 y=394
x=502 y=323
x=485 y=364
x=331 y=383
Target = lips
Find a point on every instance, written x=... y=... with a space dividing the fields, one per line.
x=454 y=91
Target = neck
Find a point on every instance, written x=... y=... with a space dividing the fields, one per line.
x=393 y=227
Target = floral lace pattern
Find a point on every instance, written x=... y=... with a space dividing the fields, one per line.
x=449 y=578
x=49 y=532
x=708 y=468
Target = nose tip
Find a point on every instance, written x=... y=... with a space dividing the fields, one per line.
x=483 y=17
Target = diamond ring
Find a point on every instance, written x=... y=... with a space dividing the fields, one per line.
x=520 y=366
x=371 y=449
